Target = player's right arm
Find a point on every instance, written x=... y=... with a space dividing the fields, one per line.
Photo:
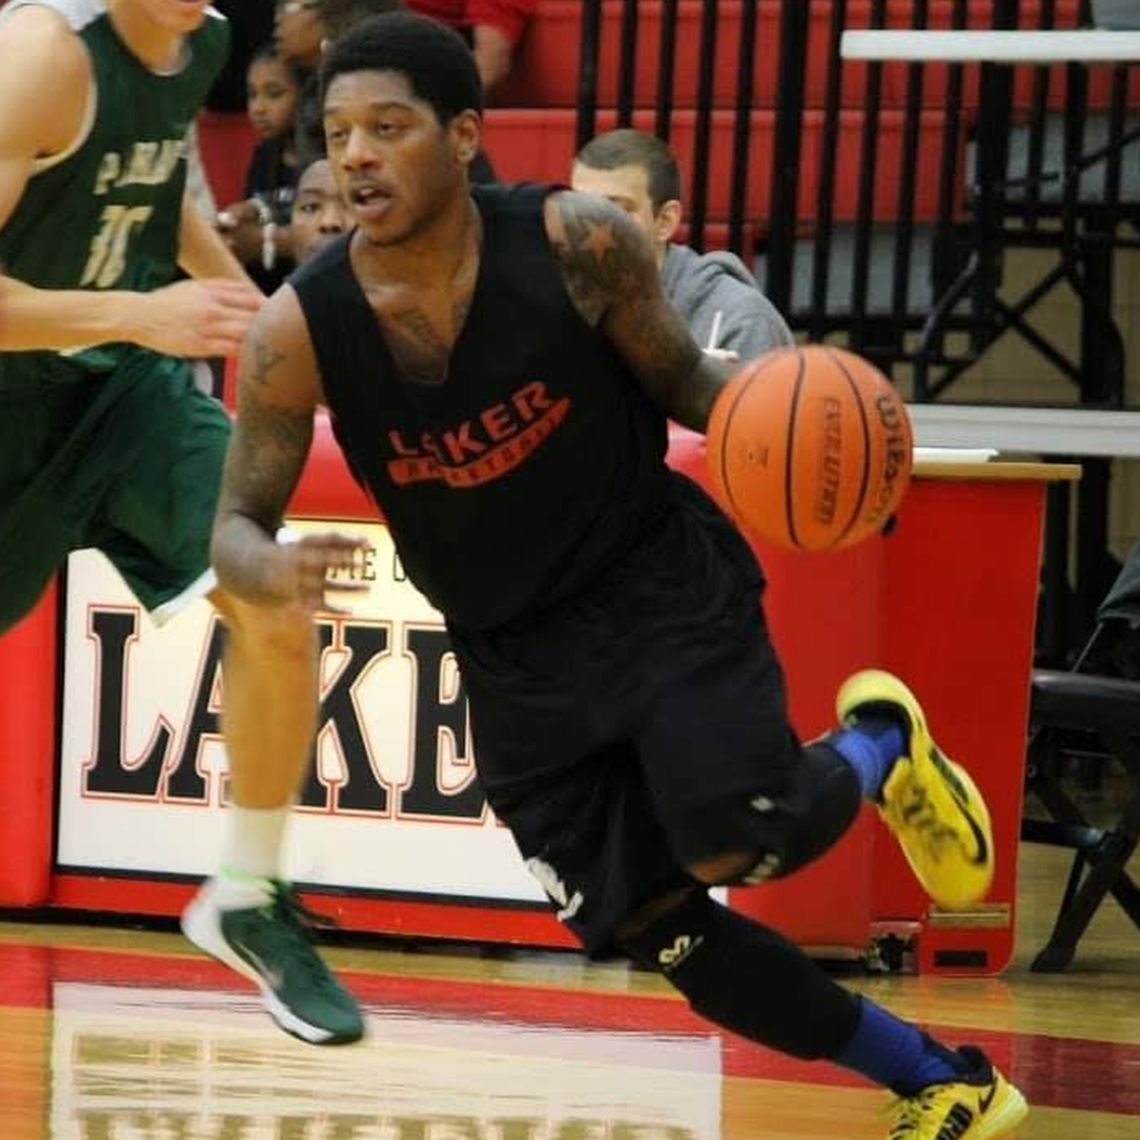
x=45 y=83
x=278 y=393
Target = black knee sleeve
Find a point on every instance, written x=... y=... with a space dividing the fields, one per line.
x=786 y=829
x=826 y=803
x=747 y=978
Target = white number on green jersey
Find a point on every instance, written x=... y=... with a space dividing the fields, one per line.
x=108 y=257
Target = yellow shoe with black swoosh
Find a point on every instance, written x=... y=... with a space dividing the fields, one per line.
x=928 y=801
x=981 y=1106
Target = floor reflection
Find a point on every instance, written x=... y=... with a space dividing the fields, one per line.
x=113 y=1034
x=135 y=1062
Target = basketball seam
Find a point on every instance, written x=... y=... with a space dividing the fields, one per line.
x=724 y=480
x=789 y=513
x=866 y=446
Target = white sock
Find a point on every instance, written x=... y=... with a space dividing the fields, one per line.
x=251 y=854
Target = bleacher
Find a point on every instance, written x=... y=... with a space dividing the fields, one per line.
x=880 y=204
x=848 y=185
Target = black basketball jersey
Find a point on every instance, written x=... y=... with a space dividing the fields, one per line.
x=538 y=462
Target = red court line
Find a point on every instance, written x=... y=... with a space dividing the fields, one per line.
x=1054 y=1072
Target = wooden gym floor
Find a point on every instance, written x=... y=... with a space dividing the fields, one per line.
x=108 y=1034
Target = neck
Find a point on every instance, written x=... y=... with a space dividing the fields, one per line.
x=439 y=250
x=157 y=47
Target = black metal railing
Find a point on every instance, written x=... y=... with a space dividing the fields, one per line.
x=890 y=202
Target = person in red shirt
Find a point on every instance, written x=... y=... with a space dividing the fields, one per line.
x=491 y=27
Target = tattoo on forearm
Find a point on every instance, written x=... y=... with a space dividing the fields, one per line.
x=265 y=359
x=264 y=463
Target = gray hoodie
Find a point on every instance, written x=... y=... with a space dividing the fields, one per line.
x=699 y=286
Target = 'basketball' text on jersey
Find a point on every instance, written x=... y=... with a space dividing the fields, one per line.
x=148 y=164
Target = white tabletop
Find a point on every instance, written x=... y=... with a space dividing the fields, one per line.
x=993 y=46
x=1037 y=431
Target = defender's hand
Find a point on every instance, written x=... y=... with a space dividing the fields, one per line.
x=195 y=318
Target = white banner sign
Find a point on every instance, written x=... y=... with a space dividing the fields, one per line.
x=391 y=802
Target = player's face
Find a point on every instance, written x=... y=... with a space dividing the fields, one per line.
x=397 y=166
x=299 y=31
x=319 y=213
x=271 y=97
x=177 y=16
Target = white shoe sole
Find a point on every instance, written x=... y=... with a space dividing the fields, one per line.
x=201 y=926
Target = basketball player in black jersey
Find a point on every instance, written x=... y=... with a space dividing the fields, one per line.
x=500 y=363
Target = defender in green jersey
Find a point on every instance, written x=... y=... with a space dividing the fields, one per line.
x=104 y=440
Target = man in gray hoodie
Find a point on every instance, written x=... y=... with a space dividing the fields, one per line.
x=714 y=292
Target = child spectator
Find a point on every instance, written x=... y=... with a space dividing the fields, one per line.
x=257 y=228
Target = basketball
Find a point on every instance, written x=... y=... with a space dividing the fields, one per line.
x=810 y=448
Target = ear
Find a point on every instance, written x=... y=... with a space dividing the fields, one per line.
x=666 y=221
x=466 y=129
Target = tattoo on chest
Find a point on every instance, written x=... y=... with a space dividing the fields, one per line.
x=420 y=352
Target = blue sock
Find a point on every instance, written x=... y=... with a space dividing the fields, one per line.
x=871 y=746
x=897 y=1055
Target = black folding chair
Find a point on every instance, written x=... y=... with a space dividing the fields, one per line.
x=1094 y=707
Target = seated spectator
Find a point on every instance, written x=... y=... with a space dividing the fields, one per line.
x=323 y=22
x=491 y=27
x=719 y=299
x=300 y=33
x=257 y=228
x=319 y=213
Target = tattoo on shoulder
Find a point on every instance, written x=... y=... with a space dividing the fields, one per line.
x=265 y=359
x=599 y=251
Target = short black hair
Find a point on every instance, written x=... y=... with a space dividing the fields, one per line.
x=435 y=60
x=270 y=52
x=341 y=16
x=627 y=147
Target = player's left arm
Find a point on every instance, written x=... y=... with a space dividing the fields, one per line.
x=612 y=277
x=201 y=252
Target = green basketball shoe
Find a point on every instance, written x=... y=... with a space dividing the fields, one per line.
x=271 y=944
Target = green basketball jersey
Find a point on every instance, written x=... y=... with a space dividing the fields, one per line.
x=106 y=214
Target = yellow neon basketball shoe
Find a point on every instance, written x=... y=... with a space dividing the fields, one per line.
x=978 y=1107
x=927 y=800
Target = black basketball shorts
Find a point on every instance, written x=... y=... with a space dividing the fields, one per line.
x=622 y=734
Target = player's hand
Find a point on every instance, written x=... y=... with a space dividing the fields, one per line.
x=315 y=565
x=195 y=318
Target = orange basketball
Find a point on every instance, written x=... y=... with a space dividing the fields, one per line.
x=810 y=448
